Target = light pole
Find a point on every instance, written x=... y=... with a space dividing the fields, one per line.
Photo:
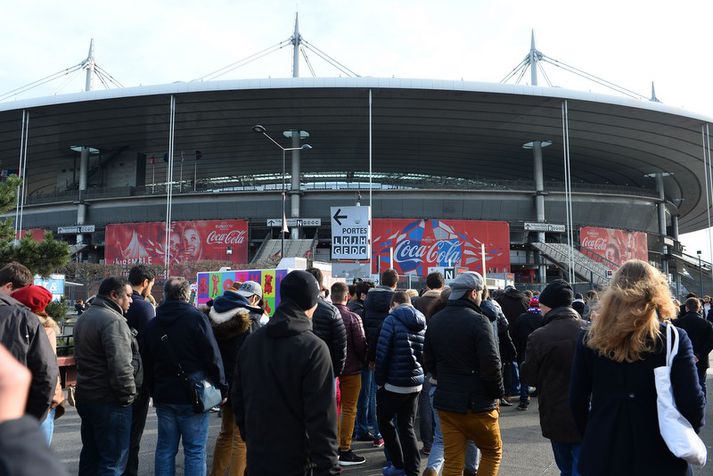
x=258 y=129
x=700 y=272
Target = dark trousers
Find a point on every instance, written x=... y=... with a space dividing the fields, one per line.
x=566 y=457
x=702 y=379
x=402 y=448
x=105 y=431
x=139 y=409
x=425 y=414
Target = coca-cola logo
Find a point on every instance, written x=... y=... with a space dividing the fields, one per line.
x=598 y=244
x=445 y=252
x=233 y=237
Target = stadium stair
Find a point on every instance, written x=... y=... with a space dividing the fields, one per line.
x=589 y=266
x=269 y=254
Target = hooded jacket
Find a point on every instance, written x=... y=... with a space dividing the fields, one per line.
x=425 y=301
x=376 y=308
x=525 y=325
x=460 y=351
x=356 y=341
x=232 y=320
x=190 y=341
x=513 y=303
x=284 y=398
x=548 y=366
x=492 y=310
x=399 y=352
x=700 y=331
x=22 y=334
x=327 y=324
x=109 y=367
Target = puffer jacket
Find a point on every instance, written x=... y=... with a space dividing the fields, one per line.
x=460 y=351
x=376 y=308
x=327 y=324
x=109 y=368
x=400 y=349
x=232 y=320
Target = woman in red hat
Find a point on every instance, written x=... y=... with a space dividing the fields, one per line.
x=37 y=298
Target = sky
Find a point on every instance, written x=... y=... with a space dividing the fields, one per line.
x=630 y=43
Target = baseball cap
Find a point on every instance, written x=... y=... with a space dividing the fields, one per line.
x=465 y=282
x=250 y=288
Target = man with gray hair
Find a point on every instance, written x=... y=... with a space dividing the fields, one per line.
x=461 y=354
x=180 y=335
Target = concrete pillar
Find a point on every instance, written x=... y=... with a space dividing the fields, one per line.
x=539 y=202
x=661 y=208
x=82 y=206
x=295 y=187
x=674 y=227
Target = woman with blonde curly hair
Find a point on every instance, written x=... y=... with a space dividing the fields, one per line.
x=613 y=392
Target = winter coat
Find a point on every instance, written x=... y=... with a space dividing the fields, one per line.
x=109 y=367
x=190 y=342
x=357 y=307
x=356 y=341
x=23 y=452
x=525 y=325
x=461 y=353
x=548 y=366
x=284 y=398
x=21 y=333
x=232 y=320
x=491 y=309
x=327 y=324
x=621 y=432
x=700 y=332
x=139 y=314
x=424 y=302
x=399 y=352
x=376 y=308
x=513 y=303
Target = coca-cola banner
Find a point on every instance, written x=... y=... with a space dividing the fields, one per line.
x=617 y=246
x=418 y=244
x=189 y=241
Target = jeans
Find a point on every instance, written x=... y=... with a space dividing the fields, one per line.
x=366 y=406
x=230 y=451
x=566 y=457
x=515 y=386
x=139 y=410
x=402 y=447
x=176 y=422
x=436 y=458
x=105 y=430
x=483 y=428
x=425 y=414
x=47 y=425
x=524 y=393
x=349 y=387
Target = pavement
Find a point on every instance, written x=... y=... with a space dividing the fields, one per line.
x=525 y=451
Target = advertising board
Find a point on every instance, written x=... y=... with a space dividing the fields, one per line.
x=419 y=244
x=615 y=245
x=130 y=243
x=214 y=283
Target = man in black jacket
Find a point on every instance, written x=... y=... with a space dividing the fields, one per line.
x=180 y=335
x=548 y=366
x=284 y=396
x=513 y=304
x=700 y=331
x=461 y=354
x=21 y=332
x=327 y=324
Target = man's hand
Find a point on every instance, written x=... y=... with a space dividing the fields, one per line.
x=372 y=365
x=14 y=386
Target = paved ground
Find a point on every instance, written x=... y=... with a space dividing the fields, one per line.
x=525 y=450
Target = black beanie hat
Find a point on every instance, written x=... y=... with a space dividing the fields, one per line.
x=557 y=294
x=301 y=288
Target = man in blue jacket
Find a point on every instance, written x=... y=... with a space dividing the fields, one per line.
x=399 y=377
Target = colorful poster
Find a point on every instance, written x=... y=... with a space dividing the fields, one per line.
x=213 y=284
x=189 y=241
x=617 y=246
x=418 y=244
x=37 y=234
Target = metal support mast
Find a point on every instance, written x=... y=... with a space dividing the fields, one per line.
x=296 y=43
x=295 y=185
x=84 y=153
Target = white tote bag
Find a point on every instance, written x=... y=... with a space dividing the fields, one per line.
x=676 y=431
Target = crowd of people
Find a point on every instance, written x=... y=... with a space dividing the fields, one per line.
x=357 y=362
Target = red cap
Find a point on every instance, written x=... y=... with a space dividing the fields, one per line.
x=34 y=297
x=535 y=302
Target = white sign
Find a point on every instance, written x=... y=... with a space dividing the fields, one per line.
x=551 y=227
x=351 y=232
x=70 y=230
x=295 y=222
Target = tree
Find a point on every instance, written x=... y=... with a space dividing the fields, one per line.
x=41 y=257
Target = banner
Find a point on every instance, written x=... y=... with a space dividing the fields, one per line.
x=617 y=246
x=130 y=243
x=419 y=244
x=213 y=284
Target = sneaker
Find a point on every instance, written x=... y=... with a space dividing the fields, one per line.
x=367 y=437
x=378 y=443
x=426 y=450
x=391 y=470
x=215 y=409
x=429 y=472
x=505 y=403
x=348 y=458
x=522 y=407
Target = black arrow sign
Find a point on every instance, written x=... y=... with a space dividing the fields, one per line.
x=337 y=216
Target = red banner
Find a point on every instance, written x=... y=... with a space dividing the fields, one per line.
x=37 y=234
x=189 y=241
x=418 y=244
x=615 y=245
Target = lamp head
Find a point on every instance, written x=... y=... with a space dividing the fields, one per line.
x=306 y=147
x=258 y=129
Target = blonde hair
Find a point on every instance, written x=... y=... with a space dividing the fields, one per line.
x=626 y=322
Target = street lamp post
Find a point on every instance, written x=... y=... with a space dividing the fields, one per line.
x=700 y=272
x=258 y=129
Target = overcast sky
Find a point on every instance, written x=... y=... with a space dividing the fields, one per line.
x=630 y=42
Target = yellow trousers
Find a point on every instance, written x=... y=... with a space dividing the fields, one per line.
x=483 y=428
x=230 y=452
x=349 y=386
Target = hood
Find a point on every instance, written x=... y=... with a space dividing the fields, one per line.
x=512 y=293
x=379 y=298
x=170 y=311
x=229 y=323
x=410 y=317
x=564 y=312
x=432 y=293
x=289 y=320
x=225 y=307
x=490 y=309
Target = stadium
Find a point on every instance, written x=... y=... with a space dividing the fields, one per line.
x=549 y=181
